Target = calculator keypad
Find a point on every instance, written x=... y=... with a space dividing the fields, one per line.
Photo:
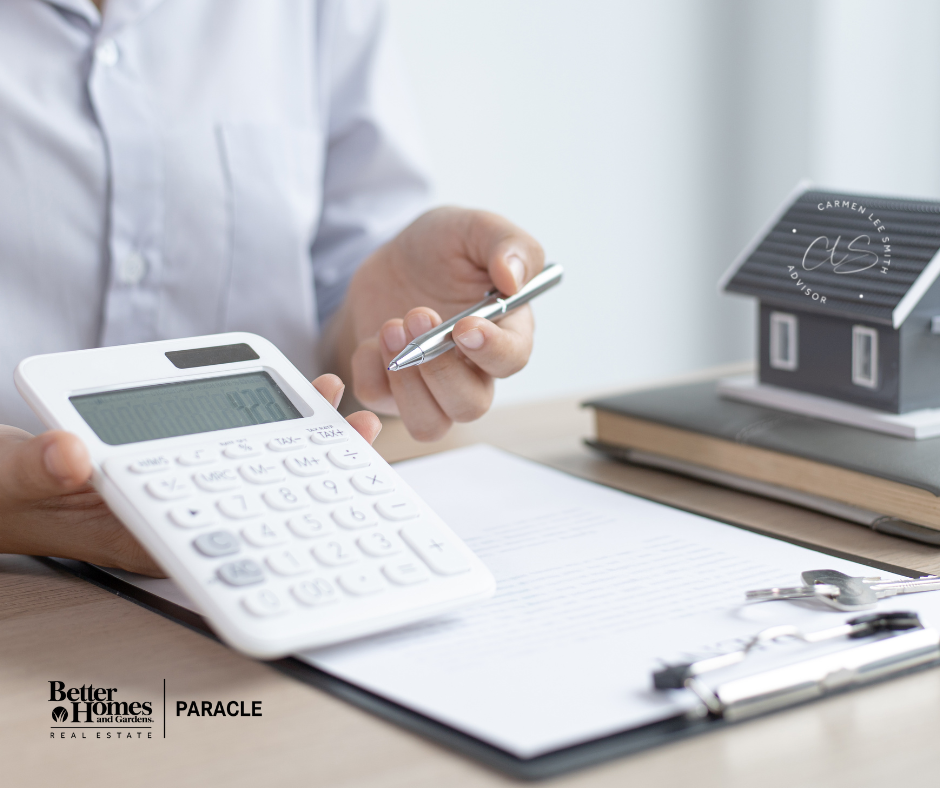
x=263 y=471
x=217 y=481
x=264 y=602
x=169 y=488
x=296 y=521
x=197 y=457
x=239 y=507
x=306 y=465
x=216 y=543
x=263 y=535
x=241 y=573
x=192 y=516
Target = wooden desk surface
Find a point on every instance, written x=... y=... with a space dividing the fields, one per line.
x=55 y=627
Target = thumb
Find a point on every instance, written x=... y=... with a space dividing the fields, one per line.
x=32 y=469
x=510 y=255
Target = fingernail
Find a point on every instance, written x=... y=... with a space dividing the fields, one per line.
x=55 y=462
x=418 y=324
x=339 y=396
x=472 y=339
x=394 y=338
x=517 y=269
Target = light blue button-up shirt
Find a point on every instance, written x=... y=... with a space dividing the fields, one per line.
x=183 y=167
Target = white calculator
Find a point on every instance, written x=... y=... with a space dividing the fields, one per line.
x=279 y=521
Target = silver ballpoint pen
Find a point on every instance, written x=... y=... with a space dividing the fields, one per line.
x=439 y=340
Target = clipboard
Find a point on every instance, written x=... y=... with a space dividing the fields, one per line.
x=549 y=765
x=494 y=730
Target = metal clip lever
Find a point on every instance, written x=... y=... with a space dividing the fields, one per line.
x=814 y=677
x=674 y=676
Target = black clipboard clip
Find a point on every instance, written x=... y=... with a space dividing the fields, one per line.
x=893 y=643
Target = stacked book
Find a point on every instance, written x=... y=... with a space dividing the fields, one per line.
x=887 y=483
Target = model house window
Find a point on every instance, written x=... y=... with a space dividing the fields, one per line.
x=865 y=357
x=783 y=341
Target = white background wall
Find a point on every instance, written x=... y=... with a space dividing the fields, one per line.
x=644 y=143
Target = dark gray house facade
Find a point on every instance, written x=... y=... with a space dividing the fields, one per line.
x=849 y=291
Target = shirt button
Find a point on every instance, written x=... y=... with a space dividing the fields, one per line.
x=107 y=53
x=131 y=269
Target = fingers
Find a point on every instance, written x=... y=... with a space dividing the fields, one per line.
x=331 y=388
x=432 y=396
x=32 y=469
x=461 y=390
x=365 y=423
x=370 y=380
x=499 y=349
x=423 y=417
x=509 y=254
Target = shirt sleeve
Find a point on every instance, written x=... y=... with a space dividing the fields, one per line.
x=375 y=177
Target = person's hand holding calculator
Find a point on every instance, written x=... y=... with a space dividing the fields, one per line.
x=48 y=506
x=269 y=510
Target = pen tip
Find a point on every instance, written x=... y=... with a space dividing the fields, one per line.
x=393 y=367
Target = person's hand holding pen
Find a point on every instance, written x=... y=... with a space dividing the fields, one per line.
x=442 y=264
x=437 y=267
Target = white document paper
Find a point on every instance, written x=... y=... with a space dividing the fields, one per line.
x=594 y=587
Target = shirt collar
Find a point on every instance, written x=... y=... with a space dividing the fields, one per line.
x=86 y=9
x=118 y=14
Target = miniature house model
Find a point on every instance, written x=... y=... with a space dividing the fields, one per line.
x=849 y=298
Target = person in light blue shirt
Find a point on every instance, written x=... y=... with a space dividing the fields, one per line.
x=171 y=168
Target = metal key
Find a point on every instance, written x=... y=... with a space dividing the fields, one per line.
x=677 y=675
x=843 y=592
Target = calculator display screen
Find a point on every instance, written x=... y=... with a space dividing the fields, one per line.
x=186 y=408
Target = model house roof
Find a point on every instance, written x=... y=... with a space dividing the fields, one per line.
x=857 y=256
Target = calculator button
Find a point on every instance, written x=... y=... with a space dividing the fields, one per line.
x=285 y=498
x=406 y=572
x=309 y=526
x=361 y=582
x=152 y=464
x=354 y=517
x=329 y=490
x=315 y=592
x=436 y=550
x=287 y=563
x=378 y=544
x=262 y=472
x=241 y=573
x=239 y=507
x=287 y=443
x=397 y=508
x=216 y=544
x=263 y=535
x=241 y=450
x=169 y=488
x=198 y=457
x=348 y=459
x=306 y=465
x=192 y=516
x=264 y=603
x=325 y=435
x=216 y=481
x=372 y=482
x=335 y=552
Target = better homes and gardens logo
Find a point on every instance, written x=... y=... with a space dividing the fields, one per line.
x=85 y=710
x=90 y=712
x=844 y=255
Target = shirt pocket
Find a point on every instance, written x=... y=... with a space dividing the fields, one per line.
x=273 y=178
